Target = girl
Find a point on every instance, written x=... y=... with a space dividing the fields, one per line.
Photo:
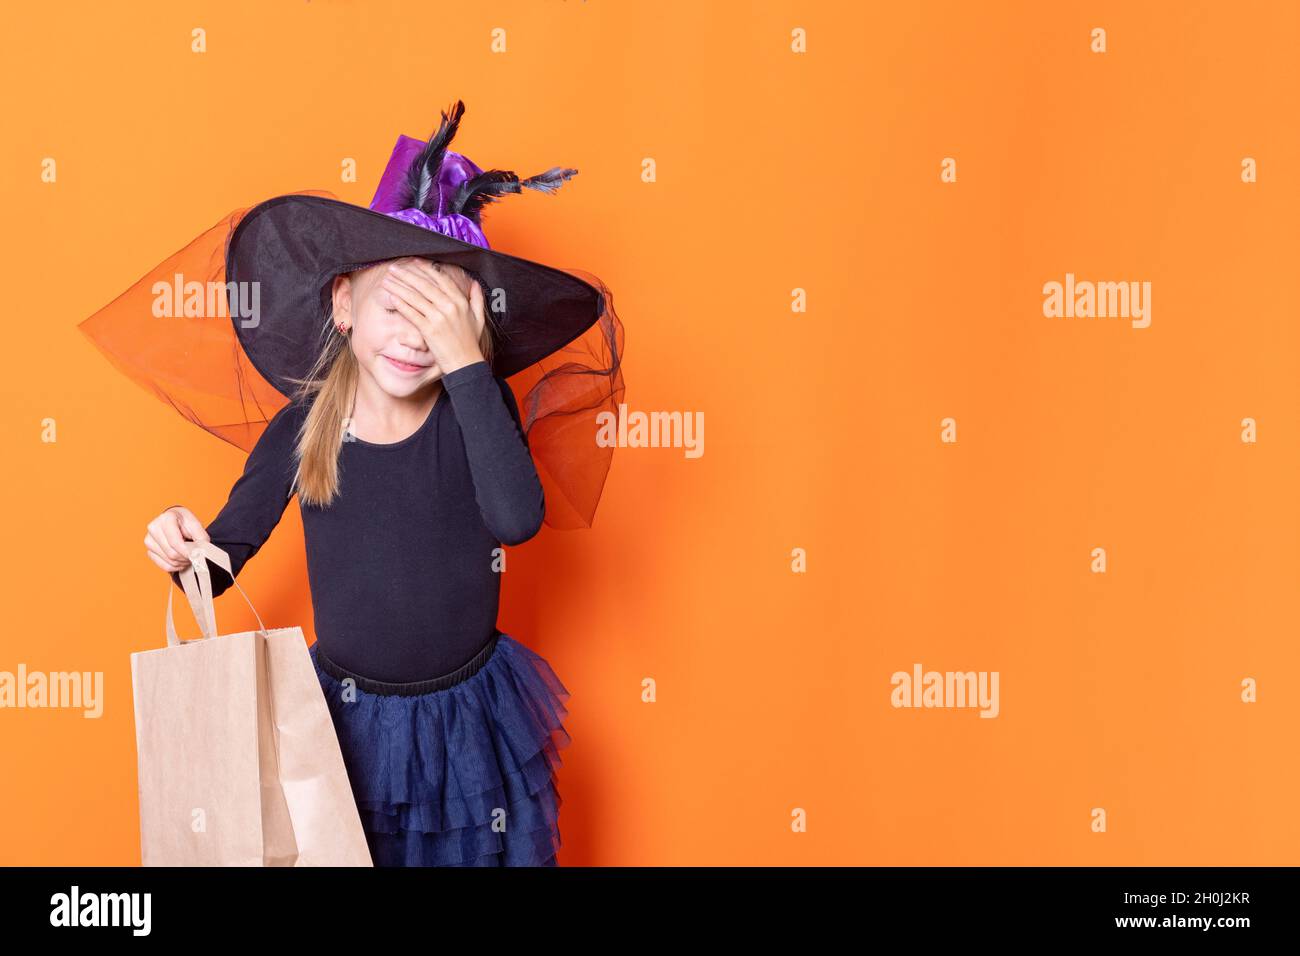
x=413 y=466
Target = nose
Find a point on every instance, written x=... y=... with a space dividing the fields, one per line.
x=409 y=336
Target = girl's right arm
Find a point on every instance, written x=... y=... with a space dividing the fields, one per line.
x=253 y=509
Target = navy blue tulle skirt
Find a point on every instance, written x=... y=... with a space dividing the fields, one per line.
x=462 y=775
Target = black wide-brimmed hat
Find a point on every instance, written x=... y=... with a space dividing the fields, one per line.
x=429 y=203
x=221 y=329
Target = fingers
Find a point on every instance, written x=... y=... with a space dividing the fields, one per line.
x=409 y=300
x=448 y=278
x=408 y=311
x=166 y=542
x=160 y=555
x=168 y=566
x=165 y=535
x=192 y=526
x=426 y=281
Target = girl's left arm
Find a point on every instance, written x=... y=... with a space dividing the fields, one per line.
x=506 y=485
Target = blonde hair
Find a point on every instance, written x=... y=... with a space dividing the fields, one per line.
x=330 y=387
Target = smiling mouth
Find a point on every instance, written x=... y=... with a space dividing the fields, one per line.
x=404 y=366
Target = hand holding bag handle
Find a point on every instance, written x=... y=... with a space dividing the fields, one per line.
x=197 y=581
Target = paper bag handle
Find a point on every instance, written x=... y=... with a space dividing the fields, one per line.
x=197 y=582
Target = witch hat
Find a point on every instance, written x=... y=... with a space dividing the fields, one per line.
x=224 y=329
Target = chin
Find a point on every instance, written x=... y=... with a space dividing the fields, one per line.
x=400 y=386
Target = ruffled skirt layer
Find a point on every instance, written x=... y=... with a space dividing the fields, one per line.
x=458 y=777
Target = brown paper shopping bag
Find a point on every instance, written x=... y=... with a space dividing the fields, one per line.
x=239 y=761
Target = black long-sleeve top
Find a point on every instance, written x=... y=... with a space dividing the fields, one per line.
x=401 y=564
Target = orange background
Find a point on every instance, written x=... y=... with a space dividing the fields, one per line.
x=776 y=171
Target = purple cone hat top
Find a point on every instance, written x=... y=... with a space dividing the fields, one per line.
x=428 y=185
